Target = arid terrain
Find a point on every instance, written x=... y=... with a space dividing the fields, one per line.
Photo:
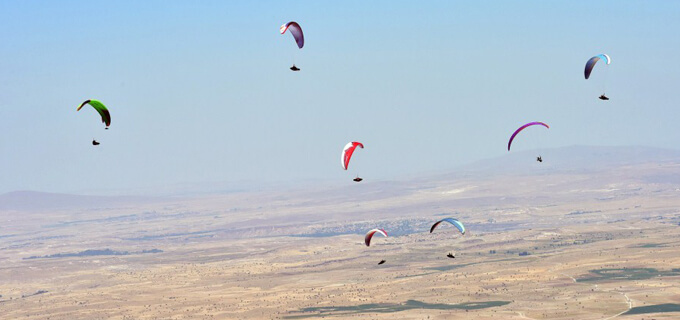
x=588 y=234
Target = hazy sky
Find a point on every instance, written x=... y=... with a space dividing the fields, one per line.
x=200 y=92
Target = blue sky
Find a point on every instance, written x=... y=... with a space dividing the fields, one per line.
x=201 y=93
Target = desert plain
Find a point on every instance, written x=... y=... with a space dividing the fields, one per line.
x=564 y=239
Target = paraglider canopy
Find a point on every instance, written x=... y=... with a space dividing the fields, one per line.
x=524 y=127
x=450 y=256
x=592 y=61
x=347 y=152
x=459 y=225
x=357 y=179
x=296 y=31
x=101 y=109
x=370 y=234
x=382 y=261
x=94 y=142
x=294 y=68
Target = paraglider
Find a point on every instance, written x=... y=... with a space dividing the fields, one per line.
x=514 y=134
x=299 y=37
x=591 y=64
x=370 y=234
x=382 y=261
x=347 y=153
x=94 y=142
x=101 y=109
x=592 y=61
x=459 y=225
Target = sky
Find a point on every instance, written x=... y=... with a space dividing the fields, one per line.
x=200 y=92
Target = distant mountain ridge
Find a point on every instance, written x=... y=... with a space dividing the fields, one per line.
x=573 y=158
x=564 y=160
x=35 y=200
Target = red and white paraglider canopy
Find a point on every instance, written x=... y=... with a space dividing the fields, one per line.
x=348 y=151
x=370 y=234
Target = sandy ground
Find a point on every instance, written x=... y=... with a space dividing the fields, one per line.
x=601 y=251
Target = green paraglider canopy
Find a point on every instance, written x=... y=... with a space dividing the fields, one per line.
x=101 y=108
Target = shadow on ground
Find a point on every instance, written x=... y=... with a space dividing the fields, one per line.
x=627 y=274
x=391 y=307
x=659 y=308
